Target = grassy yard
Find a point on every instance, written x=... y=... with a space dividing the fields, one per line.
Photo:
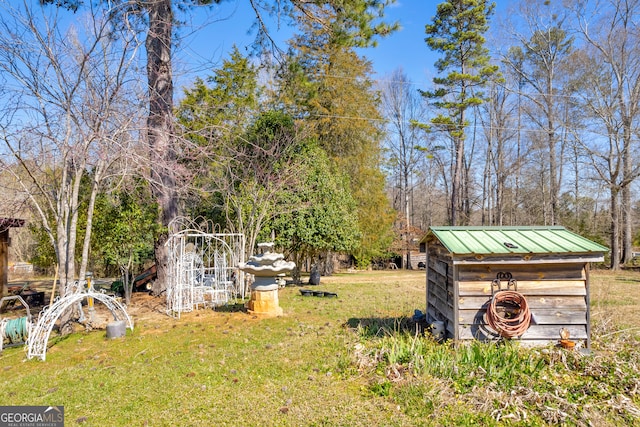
x=348 y=361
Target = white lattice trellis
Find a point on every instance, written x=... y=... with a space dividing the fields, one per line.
x=203 y=267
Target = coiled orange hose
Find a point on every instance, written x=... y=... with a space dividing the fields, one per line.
x=516 y=318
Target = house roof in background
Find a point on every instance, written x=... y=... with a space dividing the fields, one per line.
x=10 y=222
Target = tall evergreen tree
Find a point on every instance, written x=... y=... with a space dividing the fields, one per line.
x=223 y=104
x=356 y=25
x=213 y=114
x=328 y=86
x=457 y=31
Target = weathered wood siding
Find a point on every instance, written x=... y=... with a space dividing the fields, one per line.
x=459 y=294
x=441 y=296
x=556 y=294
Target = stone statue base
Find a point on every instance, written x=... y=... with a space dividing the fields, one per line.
x=264 y=302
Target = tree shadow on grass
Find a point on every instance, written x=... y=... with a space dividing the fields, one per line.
x=372 y=327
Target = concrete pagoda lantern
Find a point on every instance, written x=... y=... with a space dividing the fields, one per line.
x=266 y=268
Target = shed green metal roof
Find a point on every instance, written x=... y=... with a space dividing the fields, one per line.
x=463 y=240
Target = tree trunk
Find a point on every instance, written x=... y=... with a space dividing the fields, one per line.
x=89 y=224
x=325 y=263
x=553 y=169
x=501 y=177
x=127 y=279
x=627 y=179
x=456 y=180
x=66 y=226
x=627 y=234
x=516 y=191
x=160 y=133
x=486 y=187
x=407 y=235
x=466 y=192
x=615 y=230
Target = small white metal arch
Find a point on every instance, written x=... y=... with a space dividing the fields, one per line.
x=40 y=332
x=198 y=233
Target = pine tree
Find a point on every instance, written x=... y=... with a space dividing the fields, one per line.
x=457 y=31
x=327 y=84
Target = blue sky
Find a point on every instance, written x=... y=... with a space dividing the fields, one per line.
x=206 y=45
x=407 y=48
x=210 y=33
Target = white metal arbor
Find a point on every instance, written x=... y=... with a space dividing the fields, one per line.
x=203 y=267
x=36 y=344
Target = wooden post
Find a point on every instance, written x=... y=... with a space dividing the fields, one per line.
x=4 y=260
x=53 y=288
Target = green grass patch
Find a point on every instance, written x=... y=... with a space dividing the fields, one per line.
x=355 y=360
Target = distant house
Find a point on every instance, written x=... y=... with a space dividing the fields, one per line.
x=548 y=267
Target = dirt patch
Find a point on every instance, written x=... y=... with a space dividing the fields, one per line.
x=145 y=307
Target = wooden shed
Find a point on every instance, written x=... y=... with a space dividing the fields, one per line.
x=548 y=267
x=5 y=241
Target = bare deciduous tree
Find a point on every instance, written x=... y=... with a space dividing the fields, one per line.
x=402 y=106
x=543 y=46
x=503 y=159
x=67 y=117
x=612 y=34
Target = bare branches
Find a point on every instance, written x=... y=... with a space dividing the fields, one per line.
x=69 y=93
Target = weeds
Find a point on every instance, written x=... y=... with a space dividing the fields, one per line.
x=507 y=382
